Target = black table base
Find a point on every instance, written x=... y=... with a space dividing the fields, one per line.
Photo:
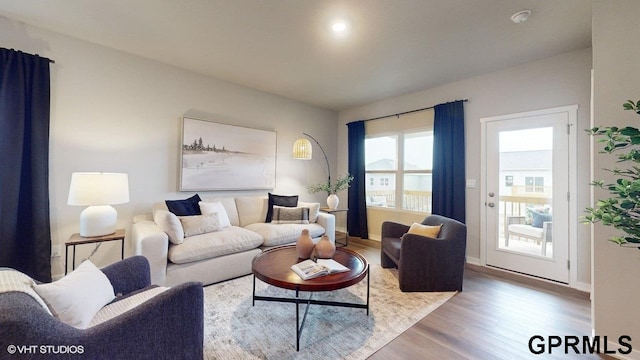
x=297 y=300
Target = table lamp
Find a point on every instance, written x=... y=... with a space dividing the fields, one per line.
x=98 y=191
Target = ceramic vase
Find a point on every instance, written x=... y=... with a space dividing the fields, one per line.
x=332 y=201
x=304 y=245
x=325 y=248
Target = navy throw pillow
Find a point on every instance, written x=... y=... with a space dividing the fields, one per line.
x=539 y=219
x=280 y=200
x=186 y=207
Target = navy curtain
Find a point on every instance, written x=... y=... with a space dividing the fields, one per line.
x=25 y=236
x=448 y=197
x=357 y=215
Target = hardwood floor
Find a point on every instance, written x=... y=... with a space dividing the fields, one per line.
x=494 y=317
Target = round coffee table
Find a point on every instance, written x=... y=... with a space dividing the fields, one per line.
x=274 y=267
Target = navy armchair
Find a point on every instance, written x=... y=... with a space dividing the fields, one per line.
x=168 y=326
x=426 y=264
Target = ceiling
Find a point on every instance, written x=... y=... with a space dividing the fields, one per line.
x=286 y=47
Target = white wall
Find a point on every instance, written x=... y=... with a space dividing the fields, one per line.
x=112 y=111
x=616 y=288
x=556 y=81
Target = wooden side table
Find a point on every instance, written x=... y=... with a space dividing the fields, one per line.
x=343 y=235
x=76 y=239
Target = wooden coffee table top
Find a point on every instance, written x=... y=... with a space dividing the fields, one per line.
x=274 y=267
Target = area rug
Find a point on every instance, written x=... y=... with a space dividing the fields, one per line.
x=234 y=329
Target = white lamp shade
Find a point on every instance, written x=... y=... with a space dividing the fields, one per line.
x=302 y=149
x=94 y=188
x=98 y=191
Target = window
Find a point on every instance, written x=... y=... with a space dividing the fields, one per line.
x=402 y=163
x=534 y=184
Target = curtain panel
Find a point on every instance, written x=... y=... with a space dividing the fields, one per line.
x=357 y=215
x=25 y=235
x=448 y=186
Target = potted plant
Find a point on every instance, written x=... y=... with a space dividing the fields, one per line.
x=622 y=209
x=331 y=189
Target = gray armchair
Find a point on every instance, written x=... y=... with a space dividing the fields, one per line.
x=168 y=326
x=426 y=264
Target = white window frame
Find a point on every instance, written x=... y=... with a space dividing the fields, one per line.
x=400 y=172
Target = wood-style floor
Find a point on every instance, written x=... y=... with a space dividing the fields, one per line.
x=494 y=317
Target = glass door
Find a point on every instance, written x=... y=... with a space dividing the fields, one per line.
x=527 y=187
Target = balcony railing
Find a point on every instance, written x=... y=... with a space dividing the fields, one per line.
x=411 y=200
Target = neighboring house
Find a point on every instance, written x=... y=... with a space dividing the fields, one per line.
x=526 y=172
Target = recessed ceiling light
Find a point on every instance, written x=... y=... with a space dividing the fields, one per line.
x=520 y=16
x=339 y=27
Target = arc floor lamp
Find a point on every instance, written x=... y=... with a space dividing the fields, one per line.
x=302 y=150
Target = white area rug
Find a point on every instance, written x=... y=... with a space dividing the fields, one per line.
x=234 y=329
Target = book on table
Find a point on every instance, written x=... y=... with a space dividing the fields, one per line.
x=309 y=269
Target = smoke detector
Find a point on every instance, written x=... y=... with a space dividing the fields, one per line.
x=520 y=16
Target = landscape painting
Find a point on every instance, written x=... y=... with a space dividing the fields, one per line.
x=226 y=157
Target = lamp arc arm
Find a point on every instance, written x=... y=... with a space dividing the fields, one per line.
x=323 y=153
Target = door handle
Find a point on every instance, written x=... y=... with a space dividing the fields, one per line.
x=491 y=204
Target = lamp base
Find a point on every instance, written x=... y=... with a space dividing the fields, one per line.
x=98 y=221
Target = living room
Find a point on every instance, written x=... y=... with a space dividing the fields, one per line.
x=117 y=112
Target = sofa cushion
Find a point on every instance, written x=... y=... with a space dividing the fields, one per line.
x=76 y=298
x=280 y=234
x=227 y=241
x=200 y=224
x=526 y=230
x=290 y=215
x=314 y=210
x=208 y=208
x=251 y=209
x=185 y=207
x=170 y=224
x=280 y=200
x=121 y=306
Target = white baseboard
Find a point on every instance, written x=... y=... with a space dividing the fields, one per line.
x=585 y=287
x=376 y=237
x=612 y=345
x=473 y=261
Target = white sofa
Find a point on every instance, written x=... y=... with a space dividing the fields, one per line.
x=221 y=255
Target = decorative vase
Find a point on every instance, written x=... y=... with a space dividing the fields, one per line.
x=304 y=245
x=332 y=201
x=325 y=248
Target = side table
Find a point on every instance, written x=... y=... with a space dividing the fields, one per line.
x=343 y=235
x=76 y=239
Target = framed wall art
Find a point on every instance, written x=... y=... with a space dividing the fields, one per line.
x=217 y=156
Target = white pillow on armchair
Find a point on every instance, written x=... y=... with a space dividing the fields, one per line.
x=76 y=298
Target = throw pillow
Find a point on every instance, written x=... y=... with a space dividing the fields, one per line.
x=207 y=208
x=431 y=231
x=76 y=298
x=289 y=215
x=200 y=224
x=170 y=224
x=185 y=207
x=280 y=200
x=539 y=219
x=314 y=210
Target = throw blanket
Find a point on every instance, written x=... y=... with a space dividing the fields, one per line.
x=13 y=280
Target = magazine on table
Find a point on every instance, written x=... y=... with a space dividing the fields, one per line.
x=309 y=269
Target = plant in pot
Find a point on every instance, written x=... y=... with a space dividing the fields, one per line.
x=331 y=189
x=622 y=209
